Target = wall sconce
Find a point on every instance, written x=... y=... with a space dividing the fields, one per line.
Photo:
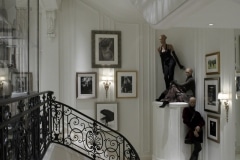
x=224 y=97
x=107 y=83
x=1 y=82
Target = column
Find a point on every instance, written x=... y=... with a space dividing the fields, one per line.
x=169 y=132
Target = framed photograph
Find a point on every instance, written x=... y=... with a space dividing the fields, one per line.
x=107 y=114
x=237 y=79
x=86 y=85
x=212 y=63
x=213 y=128
x=126 y=84
x=22 y=82
x=7 y=54
x=106 y=49
x=211 y=90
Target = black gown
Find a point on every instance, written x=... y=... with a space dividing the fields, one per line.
x=168 y=65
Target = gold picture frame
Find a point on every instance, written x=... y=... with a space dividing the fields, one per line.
x=213 y=128
x=126 y=84
x=212 y=63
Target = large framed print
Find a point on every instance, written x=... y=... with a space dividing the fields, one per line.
x=211 y=90
x=212 y=61
x=106 y=49
x=126 y=84
x=107 y=114
x=213 y=128
x=86 y=85
x=22 y=82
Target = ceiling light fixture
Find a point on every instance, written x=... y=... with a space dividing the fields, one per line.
x=210 y=24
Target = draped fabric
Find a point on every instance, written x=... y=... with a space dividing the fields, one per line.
x=156 y=10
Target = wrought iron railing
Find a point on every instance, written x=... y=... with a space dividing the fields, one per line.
x=29 y=124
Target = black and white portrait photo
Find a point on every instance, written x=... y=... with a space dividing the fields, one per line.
x=213 y=128
x=211 y=90
x=106 y=49
x=86 y=85
x=126 y=82
x=211 y=94
x=238 y=83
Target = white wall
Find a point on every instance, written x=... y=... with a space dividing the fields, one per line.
x=70 y=52
x=193 y=45
x=49 y=58
x=76 y=20
x=237 y=102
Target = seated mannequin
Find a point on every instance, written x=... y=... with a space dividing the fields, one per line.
x=179 y=92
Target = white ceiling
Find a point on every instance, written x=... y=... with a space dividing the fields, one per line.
x=120 y=10
x=194 y=13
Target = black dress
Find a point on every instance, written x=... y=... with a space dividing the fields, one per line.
x=192 y=119
x=168 y=65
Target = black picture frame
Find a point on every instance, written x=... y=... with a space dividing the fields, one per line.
x=106 y=49
x=213 y=128
x=211 y=90
x=107 y=114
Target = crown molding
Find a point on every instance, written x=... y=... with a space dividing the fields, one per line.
x=50 y=5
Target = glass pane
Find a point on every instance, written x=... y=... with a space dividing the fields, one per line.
x=18 y=47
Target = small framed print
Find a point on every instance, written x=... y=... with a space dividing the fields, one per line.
x=86 y=85
x=213 y=128
x=107 y=114
x=237 y=79
x=106 y=49
x=22 y=82
x=212 y=61
x=126 y=84
x=211 y=90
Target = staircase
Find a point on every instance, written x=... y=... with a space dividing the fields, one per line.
x=30 y=125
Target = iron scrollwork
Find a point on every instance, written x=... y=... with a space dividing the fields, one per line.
x=28 y=125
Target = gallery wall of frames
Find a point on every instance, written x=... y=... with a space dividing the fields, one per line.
x=106 y=53
x=211 y=91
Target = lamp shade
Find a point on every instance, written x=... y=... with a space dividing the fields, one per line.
x=2 y=78
x=223 y=96
x=107 y=78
